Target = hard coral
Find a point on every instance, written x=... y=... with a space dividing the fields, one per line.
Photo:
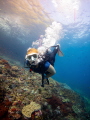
x=15 y=68
x=4 y=62
x=28 y=109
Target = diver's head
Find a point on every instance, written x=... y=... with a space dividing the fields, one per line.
x=32 y=56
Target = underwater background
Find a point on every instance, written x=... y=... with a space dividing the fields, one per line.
x=23 y=21
x=74 y=67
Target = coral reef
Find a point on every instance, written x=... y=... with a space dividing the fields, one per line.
x=23 y=98
x=29 y=109
x=4 y=107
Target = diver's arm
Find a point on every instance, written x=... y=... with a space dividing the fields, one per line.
x=51 y=71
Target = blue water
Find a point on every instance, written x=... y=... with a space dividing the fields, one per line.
x=74 y=67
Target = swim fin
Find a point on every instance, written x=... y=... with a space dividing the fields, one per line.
x=59 y=52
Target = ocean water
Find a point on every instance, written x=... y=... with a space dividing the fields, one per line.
x=23 y=22
x=74 y=66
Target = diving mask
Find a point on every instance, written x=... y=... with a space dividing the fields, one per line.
x=33 y=59
x=32 y=56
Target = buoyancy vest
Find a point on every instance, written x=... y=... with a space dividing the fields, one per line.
x=40 y=68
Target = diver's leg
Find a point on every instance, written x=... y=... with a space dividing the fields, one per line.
x=53 y=55
x=51 y=71
x=57 y=50
x=42 y=80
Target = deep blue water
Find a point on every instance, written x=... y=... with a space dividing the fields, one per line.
x=74 y=67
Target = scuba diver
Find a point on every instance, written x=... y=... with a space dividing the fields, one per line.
x=42 y=64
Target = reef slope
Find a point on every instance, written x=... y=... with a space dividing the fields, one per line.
x=22 y=97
